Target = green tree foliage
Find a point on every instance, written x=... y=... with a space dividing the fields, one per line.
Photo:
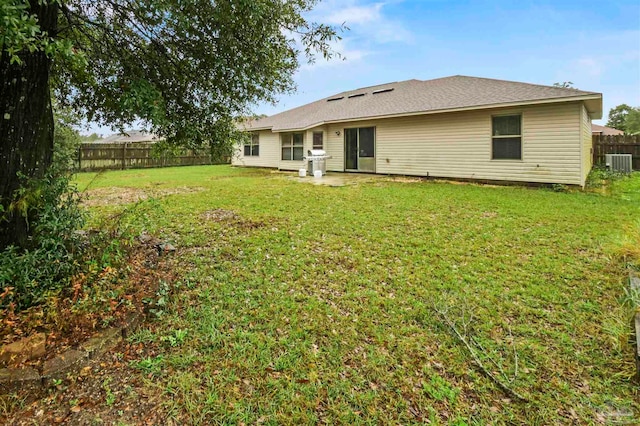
x=632 y=121
x=90 y=138
x=66 y=140
x=183 y=68
x=617 y=116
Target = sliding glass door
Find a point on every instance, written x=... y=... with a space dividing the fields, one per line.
x=359 y=149
x=351 y=149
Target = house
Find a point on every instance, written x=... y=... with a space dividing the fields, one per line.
x=453 y=127
x=130 y=136
x=605 y=131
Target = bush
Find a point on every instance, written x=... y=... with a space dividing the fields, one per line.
x=66 y=141
x=45 y=266
x=28 y=275
x=601 y=176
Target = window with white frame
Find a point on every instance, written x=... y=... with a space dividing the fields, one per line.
x=293 y=146
x=252 y=146
x=506 y=142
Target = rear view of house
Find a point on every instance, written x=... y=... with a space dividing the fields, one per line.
x=454 y=127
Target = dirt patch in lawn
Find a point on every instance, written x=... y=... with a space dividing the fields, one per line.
x=232 y=218
x=117 y=196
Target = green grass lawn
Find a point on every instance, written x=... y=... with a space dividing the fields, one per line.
x=309 y=304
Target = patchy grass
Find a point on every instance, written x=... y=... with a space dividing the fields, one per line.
x=308 y=304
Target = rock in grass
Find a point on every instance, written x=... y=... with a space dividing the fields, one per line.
x=61 y=365
x=12 y=379
x=31 y=347
x=165 y=248
x=102 y=342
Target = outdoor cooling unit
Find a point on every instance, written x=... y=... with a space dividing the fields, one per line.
x=618 y=162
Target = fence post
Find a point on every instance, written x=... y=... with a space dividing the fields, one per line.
x=124 y=156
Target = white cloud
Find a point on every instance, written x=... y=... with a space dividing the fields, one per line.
x=611 y=67
x=596 y=65
x=357 y=15
x=369 y=29
x=601 y=57
x=367 y=21
x=590 y=66
x=348 y=55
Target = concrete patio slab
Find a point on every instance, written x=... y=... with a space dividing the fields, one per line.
x=336 y=179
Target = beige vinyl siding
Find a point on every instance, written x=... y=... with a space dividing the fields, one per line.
x=334 y=145
x=269 y=152
x=587 y=144
x=458 y=145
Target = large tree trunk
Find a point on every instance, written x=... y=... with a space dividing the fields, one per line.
x=26 y=124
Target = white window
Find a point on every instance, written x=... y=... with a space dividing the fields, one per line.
x=292 y=146
x=252 y=146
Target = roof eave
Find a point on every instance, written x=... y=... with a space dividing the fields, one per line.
x=301 y=129
x=594 y=107
x=255 y=129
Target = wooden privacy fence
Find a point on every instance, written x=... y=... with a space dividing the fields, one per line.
x=617 y=144
x=101 y=156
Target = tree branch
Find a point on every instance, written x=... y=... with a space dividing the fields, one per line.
x=509 y=391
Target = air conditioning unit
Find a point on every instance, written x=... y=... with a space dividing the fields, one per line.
x=618 y=162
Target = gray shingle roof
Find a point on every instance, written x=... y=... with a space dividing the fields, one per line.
x=414 y=96
x=605 y=131
x=129 y=137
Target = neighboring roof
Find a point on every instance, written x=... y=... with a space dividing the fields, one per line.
x=422 y=97
x=604 y=130
x=129 y=137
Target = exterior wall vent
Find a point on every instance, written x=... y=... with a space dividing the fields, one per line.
x=618 y=162
x=357 y=95
x=375 y=92
x=335 y=99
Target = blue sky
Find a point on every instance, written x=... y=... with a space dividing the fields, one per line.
x=594 y=44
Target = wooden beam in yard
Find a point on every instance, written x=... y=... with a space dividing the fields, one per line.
x=634 y=282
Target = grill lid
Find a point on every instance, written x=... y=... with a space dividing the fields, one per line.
x=317 y=153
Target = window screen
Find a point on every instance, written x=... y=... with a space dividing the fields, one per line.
x=317 y=140
x=507 y=137
x=298 y=146
x=366 y=142
x=255 y=145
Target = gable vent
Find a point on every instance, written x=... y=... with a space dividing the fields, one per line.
x=357 y=95
x=375 y=92
x=335 y=99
